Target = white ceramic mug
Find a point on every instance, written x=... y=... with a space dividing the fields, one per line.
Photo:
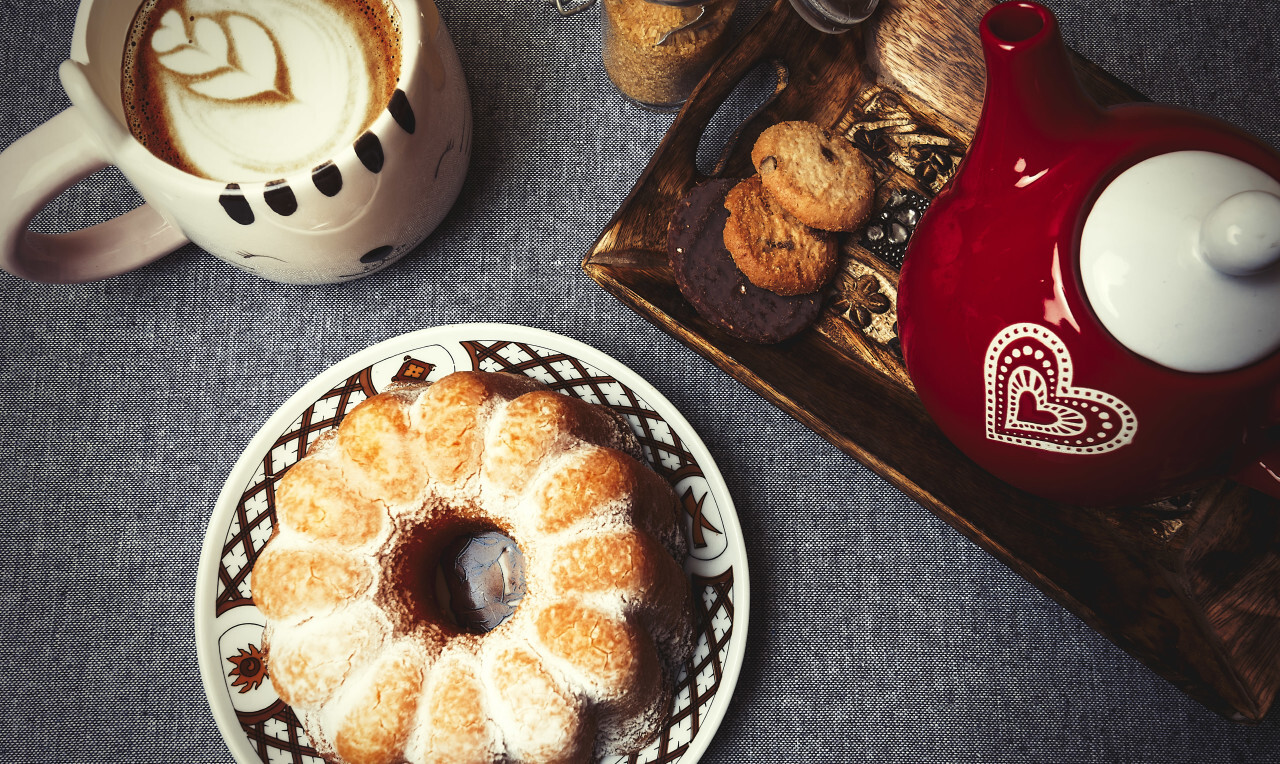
x=336 y=221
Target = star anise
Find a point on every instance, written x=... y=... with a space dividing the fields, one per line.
x=865 y=301
x=934 y=162
x=873 y=143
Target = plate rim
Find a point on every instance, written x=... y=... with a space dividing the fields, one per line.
x=241 y=470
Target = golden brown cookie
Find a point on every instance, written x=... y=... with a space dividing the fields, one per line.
x=774 y=250
x=820 y=178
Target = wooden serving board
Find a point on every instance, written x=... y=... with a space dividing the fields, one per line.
x=1190 y=586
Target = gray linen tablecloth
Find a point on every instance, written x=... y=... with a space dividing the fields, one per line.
x=877 y=632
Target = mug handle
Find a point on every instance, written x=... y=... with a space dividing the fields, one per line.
x=39 y=166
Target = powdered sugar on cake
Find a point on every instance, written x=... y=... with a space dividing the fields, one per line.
x=373 y=666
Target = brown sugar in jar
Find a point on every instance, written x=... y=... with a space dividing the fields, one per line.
x=656 y=53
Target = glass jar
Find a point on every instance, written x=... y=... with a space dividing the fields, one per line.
x=656 y=52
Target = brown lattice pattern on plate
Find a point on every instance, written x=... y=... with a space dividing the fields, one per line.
x=277 y=736
x=713 y=617
x=276 y=733
x=256 y=510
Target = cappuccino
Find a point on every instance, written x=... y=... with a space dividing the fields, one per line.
x=250 y=90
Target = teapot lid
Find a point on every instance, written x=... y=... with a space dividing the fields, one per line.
x=1180 y=258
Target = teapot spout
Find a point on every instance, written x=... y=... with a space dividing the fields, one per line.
x=1031 y=86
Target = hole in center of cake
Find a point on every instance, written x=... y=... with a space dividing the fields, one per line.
x=480 y=580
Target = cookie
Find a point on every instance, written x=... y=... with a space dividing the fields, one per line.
x=820 y=178
x=713 y=285
x=774 y=250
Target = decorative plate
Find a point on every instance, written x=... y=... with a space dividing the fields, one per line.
x=258 y=727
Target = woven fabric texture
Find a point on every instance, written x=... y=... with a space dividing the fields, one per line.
x=878 y=633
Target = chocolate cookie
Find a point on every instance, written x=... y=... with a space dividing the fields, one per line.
x=817 y=176
x=774 y=250
x=710 y=281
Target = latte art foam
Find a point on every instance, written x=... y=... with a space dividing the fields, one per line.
x=245 y=90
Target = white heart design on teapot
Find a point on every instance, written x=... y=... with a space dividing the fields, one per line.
x=1031 y=402
x=1029 y=407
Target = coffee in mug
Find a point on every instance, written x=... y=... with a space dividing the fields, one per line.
x=243 y=90
x=306 y=141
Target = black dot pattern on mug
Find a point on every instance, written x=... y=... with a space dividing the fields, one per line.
x=237 y=207
x=327 y=178
x=402 y=112
x=377 y=255
x=369 y=151
x=279 y=197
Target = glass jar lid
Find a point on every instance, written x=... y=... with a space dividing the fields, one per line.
x=834 y=16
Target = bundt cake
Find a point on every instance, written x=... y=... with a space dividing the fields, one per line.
x=564 y=641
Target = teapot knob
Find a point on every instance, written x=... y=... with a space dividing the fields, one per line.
x=1241 y=236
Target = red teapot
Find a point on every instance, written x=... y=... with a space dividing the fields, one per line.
x=1091 y=309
